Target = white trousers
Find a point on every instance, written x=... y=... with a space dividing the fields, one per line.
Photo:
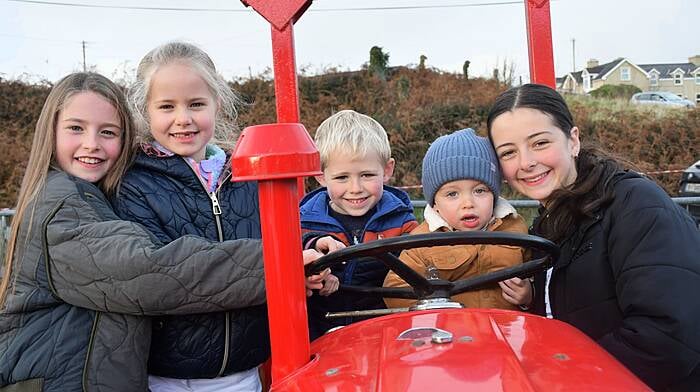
x=245 y=381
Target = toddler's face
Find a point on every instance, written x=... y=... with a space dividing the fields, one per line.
x=88 y=136
x=466 y=205
x=355 y=184
x=181 y=110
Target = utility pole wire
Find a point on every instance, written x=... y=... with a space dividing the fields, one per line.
x=387 y=8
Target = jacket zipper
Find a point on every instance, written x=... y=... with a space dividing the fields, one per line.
x=216 y=209
x=90 y=347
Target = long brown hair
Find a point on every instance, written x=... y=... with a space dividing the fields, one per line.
x=42 y=154
x=595 y=168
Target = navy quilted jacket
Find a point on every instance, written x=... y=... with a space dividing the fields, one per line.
x=165 y=195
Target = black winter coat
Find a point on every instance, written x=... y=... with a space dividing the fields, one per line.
x=165 y=195
x=630 y=279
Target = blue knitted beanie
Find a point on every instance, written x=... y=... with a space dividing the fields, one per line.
x=459 y=156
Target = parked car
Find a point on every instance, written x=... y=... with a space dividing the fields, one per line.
x=661 y=98
x=690 y=187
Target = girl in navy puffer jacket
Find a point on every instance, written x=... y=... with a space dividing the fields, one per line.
x=181 y=184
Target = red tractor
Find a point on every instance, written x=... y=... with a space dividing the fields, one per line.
x=437 y=345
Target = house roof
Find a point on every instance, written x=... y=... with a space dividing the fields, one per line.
x=577 y=76
x=597 y=71
x=602 y=70
x=665 y=70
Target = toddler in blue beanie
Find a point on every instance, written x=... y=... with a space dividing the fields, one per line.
x=461 y=184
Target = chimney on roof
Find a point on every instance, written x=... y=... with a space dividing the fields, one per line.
x=695 y=60
x=591 y=63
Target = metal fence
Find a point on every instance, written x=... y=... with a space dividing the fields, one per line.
x=6 y=214
x=684 y=201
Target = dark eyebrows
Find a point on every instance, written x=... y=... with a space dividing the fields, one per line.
x=529 y=137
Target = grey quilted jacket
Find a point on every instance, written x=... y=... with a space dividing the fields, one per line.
x=84 y=282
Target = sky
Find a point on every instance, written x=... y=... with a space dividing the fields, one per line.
x=43 y=40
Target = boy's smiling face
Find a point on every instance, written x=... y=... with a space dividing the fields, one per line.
x=466 y=205
x=355 y=184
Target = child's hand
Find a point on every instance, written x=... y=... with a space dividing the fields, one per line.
x=330 y=285
x=517 y=291
x=328 y=244
x=314 y=282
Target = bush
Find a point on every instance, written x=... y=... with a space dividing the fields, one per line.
x=616 y=91
x=415 y=107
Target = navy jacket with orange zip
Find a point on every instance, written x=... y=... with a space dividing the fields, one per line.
x=393 y=216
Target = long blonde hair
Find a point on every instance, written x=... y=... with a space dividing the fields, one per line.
x=42 y=154
x=225 y=128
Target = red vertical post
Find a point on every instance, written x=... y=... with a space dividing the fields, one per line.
x=289 y=337
x=279 y=156
x=539 y=42
x=276 y=155
x=282 y=14
x=286 y=91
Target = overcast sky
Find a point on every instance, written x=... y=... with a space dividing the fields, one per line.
x=44 y=41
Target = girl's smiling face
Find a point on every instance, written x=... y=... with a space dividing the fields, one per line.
x=88 y=136
x=536 y=157
x=181 y=110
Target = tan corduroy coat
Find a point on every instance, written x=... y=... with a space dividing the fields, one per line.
x=464 y=261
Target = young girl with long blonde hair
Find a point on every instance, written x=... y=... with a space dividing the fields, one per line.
x=77 y=282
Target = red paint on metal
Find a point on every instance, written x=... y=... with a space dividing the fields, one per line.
x=279 y=12
x=491 y=350
x=539 y=42
x=286 y=91
x=282 y=14
x=276 y=155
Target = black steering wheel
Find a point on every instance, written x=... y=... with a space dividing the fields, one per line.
x=424 y=288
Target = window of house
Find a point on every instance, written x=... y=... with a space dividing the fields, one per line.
x=654 y=79
x=677 y=79
x=587 y=82
x=697 y=78
x=625 y=74
x=697 y=98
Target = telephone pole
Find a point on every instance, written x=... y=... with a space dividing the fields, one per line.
x=573 y=53
x=84 y=64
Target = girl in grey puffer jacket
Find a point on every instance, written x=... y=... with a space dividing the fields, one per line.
x=77 y=282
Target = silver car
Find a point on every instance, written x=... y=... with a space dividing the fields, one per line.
x=661 y=98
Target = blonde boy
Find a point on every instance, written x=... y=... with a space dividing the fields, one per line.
x=461 y=183
x=355 y=206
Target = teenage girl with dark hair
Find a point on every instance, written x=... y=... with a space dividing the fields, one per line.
x=629 y=271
